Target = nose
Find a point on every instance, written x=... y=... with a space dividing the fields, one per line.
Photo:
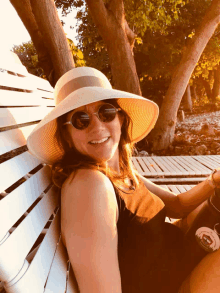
x=95 y=122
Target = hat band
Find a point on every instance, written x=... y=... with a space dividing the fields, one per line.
x=78 y=83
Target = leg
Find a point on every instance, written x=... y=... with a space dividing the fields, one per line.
x=205 y=278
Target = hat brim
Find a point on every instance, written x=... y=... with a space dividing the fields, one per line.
x=143 y=113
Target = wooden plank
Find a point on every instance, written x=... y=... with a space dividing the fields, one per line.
x=16 y=82
x=170 y=166
x=164 y=186
x=174 y=189
x=163 y=166
x=137 y=166
x=15 y=138
x=153 y=166
x=177 y=166
x=20 y=199
x=13 y=116
x=177 y=180
x=14 y=250
x=215 y=158
x=181 y=188
x=41 y=83
x=20 y=165
x=56 y=281
x=207 y=162
x=35 y=277
x=46 y=95
x=146 y=171
x=196 y=165
x=13 y=98
x=11 y=62
x=186 y=166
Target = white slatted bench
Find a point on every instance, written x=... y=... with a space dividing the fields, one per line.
x=32 y=257
x=176 y=169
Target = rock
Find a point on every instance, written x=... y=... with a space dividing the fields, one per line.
x=171 y=148
x=215 y=145
x=207 y=129
x=143 y=154
x=208 y=153
x=201 y=149
x=178 y=150
x=217 y=152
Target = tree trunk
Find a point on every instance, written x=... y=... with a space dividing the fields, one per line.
x=208 y=89
x=24 y=10
x=187 y=100
x=119 y=39
x=216 y=85
x=194 y=92
x=163 y=133
x=42 y=22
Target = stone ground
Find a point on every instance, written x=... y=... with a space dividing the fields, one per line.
x=198 y=134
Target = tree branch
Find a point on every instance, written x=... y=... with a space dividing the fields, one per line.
x=130 y=35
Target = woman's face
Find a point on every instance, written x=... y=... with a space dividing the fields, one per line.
x=89 y=141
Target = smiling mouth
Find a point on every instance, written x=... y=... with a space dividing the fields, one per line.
x=99 y=141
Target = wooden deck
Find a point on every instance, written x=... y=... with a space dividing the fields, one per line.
x=176 y=168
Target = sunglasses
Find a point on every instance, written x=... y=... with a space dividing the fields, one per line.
x=81 y=120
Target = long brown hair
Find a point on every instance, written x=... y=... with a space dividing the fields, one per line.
x=73 y=159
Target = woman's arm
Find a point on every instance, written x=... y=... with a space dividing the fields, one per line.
x=89 y=228
x=179 y=206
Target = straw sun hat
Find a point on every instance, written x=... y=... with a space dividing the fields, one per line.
x=81 y=86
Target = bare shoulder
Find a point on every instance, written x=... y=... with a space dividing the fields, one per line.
x=87 y=202
x=87 y=180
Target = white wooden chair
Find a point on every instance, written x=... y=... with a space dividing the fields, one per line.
x=32 y=255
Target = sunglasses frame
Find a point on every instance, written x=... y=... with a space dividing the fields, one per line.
x=95 y=113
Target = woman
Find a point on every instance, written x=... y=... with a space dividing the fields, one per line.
x=112 y=218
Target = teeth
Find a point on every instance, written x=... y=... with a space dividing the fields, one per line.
x=99 y=141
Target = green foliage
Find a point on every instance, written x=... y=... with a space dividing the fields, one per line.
x=29 y=58
x=77 y=54
x=163 y=29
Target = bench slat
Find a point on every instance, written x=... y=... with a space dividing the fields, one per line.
x=14 y=138
x=17 y=82
x=56 y=281
x=15 y=249
x=21 y=165
x=41 y=83
x=153 y=167
x=207 y=162
x=35 y=277
x=13 y=98
x=13 y=116
x=19 y=200
x=7 y=63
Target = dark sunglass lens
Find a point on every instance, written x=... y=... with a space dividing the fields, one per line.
x=107 y=113
x=80 y=120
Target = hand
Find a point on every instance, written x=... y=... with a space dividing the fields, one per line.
x=216 y=177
